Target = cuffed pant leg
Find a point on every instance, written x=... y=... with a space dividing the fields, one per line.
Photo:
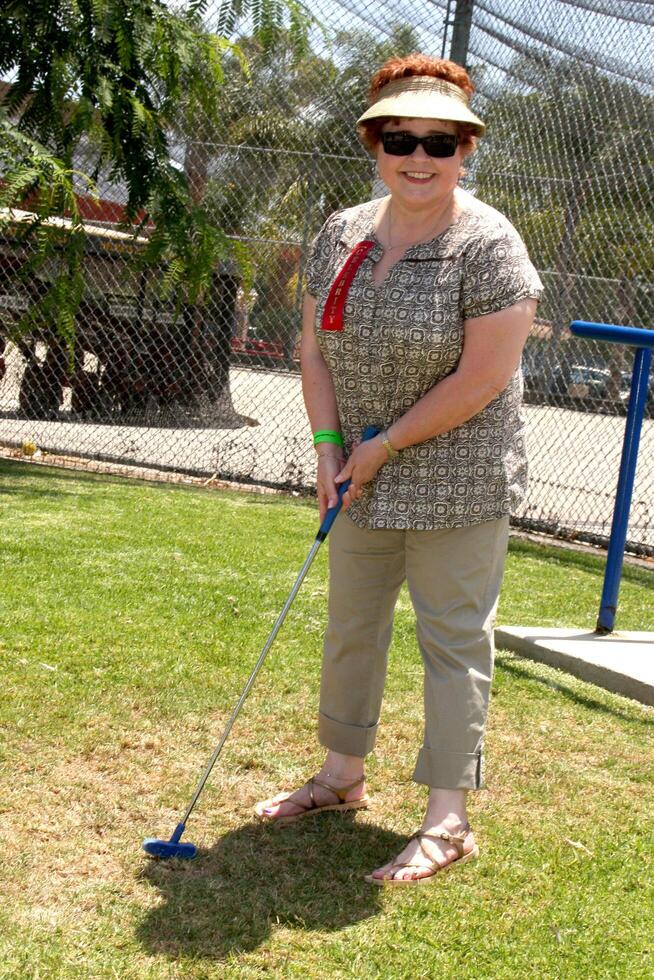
x=366 y=571
x=454 y=578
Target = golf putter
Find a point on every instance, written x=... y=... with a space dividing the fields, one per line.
x=175 y=847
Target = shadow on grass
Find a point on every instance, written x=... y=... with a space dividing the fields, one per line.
x=15 y=473
x=593 y=564
x=521 y=668
x=306 y=876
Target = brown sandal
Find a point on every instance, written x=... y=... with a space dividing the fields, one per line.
x=339 y=793
x=456 y=839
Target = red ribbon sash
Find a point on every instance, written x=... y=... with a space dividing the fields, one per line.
x=332 y=318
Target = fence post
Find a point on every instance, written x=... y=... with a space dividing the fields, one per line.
x=461 y=31
x=643 y=340
x=446 y=24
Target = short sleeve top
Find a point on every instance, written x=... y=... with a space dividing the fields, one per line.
x=401 y=338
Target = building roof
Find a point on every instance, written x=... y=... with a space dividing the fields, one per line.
x=16 y=216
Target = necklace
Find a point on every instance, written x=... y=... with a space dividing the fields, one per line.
x=393 y=248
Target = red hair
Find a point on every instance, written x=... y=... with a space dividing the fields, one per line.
x=417 y=64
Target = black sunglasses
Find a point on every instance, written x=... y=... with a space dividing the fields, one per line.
x=400 y=144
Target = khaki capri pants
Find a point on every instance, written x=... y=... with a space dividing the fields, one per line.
x=454 y=577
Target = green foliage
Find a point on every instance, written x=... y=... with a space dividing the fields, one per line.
x=114 y=79
x=267 y=21
x=28 y=166
x=306 y=109
x=568 y=160
x=49 y=184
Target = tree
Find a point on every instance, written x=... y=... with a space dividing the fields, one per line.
x=294 y=156
x=357 y=54
x=568 y=159
x=114 y=80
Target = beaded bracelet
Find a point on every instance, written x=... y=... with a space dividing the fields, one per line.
x=327 y=435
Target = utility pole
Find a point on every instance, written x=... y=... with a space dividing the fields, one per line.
x=461 y=31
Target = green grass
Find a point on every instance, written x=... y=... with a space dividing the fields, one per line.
x=132 y=615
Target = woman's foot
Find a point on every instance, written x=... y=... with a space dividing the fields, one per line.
x=326 y=790
x=429 y=852
x=425 y=857
x=318 y=794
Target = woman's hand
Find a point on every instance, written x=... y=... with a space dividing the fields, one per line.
x=365 y=461
x=328 y=468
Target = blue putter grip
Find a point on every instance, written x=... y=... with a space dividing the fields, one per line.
x=369 y=433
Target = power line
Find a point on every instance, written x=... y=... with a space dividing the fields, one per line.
x=529 y=52
x=614 y=11
x=364 y=20
x=364 y=158
x=432 y=3
x=503 y=175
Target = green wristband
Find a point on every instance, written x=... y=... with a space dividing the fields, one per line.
x=327 y=435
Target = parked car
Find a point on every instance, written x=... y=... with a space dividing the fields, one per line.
x=625 y=391
x=536 y=374
x=581 y=386
x=257 y=353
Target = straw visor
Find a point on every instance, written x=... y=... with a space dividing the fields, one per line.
x=423 y=97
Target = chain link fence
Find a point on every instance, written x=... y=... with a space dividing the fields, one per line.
x=567 y=91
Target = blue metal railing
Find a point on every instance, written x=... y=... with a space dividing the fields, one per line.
x=643 y=341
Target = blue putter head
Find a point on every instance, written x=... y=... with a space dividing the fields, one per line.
x=166 y=849
x=172 y=848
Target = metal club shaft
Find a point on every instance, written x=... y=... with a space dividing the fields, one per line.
x=269 y=642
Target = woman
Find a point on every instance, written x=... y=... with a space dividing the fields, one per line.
x=416 y=313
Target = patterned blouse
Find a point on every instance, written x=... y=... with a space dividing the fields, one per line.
x=400 y=338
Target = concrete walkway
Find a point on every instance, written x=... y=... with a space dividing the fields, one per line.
x=621 y=662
